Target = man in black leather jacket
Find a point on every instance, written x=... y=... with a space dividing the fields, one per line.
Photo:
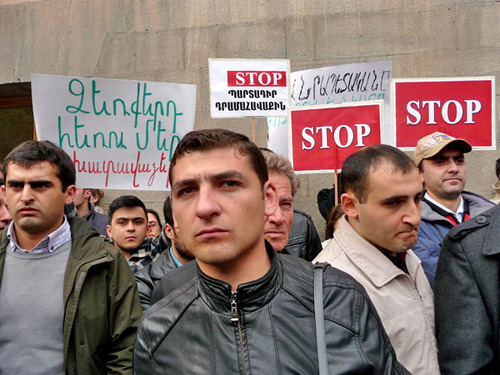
x=242 y=308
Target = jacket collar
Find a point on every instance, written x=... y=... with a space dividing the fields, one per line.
x=475 y=203
x=491 y=244
x=250 y=296
x=372 y=262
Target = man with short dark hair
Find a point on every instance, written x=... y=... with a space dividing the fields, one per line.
x=69 y=303
x=85 y=209
x=128 y=224
x=243 y=308
x=381 y=191
x=440 y=159
x=173 y=255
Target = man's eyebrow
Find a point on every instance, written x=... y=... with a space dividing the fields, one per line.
x=182 y=183
x=34 y=182
x=130 y=218
x=212 y=178
x=401 y=197
x=228 y=175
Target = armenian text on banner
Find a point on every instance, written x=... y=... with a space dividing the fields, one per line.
x=460 y=107
x=248 y=88
x=120 y=134
x=322 y=137
x=334 y=85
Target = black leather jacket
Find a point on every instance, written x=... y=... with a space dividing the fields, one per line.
x=148 y=277
x=303 y=239
x=265 y=327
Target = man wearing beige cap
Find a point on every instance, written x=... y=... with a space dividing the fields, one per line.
x=440 y=159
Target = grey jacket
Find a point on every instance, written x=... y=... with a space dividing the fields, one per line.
x=467 y=297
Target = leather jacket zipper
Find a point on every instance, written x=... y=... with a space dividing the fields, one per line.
x=235 y=319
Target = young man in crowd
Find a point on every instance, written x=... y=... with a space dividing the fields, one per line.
x=69 y=303
x=381 y=191
x=241 y=307
x=445 y=204
x=85 y=209
x=154 y=224
x=128 y=224
x=173 y=255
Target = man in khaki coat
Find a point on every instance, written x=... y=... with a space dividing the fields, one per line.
x=382 y=189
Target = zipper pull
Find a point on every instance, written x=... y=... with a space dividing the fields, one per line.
x=235 y=316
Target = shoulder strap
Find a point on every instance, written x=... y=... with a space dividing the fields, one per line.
x=319 y=318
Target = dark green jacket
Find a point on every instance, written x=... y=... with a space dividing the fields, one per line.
x=102 y=309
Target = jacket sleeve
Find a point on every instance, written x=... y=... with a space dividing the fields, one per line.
x=428 y=247
x=143 y=363
x=124 y=316
x=374 y=342
x=313 y=241
x=145 y=285
x=462 y=325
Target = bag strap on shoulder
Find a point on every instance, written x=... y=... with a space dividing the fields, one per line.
x=319 y=318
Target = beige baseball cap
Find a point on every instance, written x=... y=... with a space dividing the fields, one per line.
x=432 y=144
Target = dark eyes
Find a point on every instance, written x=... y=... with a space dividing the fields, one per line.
x=184 y=191
x=39 y=184
x=34 y=185
x=230 y=183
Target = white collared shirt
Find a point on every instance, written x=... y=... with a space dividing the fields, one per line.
x=460 y=210
x=48 y=245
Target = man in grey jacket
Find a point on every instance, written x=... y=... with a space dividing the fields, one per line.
x=467 y=297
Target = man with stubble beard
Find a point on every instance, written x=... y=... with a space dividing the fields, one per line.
x=381 y=191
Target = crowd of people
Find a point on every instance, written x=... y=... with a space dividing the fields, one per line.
x=236 y=279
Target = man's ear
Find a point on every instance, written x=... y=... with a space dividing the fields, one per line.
x=87 y=193
x=350 y=204
x=270 y=199
x=108 y=230
x=70 y=194
x=169 y=231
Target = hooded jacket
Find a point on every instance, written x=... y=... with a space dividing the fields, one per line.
x=102 y=309
x=266 y=326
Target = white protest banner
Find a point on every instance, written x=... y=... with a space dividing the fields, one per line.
x=335 y=85
x=120 y=134
x=248 y=88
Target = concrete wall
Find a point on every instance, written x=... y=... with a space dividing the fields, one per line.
x=171 y=41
